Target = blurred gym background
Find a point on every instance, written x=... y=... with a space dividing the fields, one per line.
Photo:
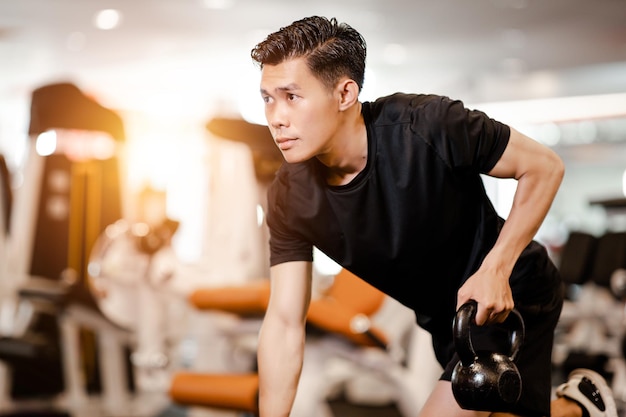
x=134 y=163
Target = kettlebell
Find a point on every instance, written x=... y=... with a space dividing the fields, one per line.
x=485 y=380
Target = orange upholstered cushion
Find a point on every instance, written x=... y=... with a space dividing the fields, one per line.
x=224 y=391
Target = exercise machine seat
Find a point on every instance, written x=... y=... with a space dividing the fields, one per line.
x=344 y=309
x=244 y=300
x=237 y=392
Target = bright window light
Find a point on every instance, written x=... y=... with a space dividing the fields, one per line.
x=554 y=110
x=323 y=264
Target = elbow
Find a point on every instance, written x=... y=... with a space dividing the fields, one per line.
x=557 y=167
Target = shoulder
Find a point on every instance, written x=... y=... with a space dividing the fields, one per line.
x=292 y=179
x=409 y=108
x=398 y=101
x=293 y=198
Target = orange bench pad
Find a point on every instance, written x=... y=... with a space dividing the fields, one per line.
x=225 y=391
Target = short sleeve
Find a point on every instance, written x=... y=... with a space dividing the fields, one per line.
x=286 y=244
x=464 y=138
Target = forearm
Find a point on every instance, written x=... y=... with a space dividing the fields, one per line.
x=282 y=336
x=538 y=171
x=533 y=198
x=280 y=355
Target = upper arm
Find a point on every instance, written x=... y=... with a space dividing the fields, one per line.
x=290 y=291
x=524 y=155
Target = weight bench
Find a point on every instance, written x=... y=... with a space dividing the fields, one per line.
x=343 y=318
x=235 y=392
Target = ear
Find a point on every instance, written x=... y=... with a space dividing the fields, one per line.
x=348 y=91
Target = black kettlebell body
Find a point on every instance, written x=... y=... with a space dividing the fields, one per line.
x=485 y=380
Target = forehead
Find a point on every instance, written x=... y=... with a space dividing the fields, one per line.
x=288 y=73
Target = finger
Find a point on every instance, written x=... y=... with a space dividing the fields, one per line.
x=482 y=315
x=498 y=317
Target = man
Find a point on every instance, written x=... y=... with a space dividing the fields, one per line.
x=391 y=190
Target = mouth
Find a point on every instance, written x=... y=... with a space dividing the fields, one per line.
x=284 y=143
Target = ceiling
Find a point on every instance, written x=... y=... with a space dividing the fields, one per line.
x=192 y=56
x=189 y=59
x=185 y=61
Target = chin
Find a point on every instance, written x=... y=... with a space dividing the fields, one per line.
x=294 y=157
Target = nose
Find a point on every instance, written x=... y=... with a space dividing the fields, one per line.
x=276 y=116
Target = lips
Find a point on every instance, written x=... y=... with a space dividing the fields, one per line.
x=284 y=143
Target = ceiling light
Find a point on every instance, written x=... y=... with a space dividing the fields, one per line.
x=46 y=143
x=107 y=19
x=218 y=4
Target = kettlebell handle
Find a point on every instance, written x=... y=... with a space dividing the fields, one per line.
x=466 y=317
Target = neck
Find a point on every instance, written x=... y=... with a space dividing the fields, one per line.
x=348 y=154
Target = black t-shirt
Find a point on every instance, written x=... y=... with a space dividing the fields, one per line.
x=416 y=222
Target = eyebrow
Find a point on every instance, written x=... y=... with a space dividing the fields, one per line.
x=288 y=87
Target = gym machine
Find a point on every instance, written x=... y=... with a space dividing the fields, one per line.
x=361 y=344
x=54 y=337
x=592 y=329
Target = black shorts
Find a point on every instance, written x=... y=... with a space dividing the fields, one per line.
x=534 y=358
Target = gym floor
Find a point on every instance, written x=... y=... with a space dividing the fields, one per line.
x=342 y=408
x=339 y=407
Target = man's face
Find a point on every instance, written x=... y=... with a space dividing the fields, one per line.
x=301 y=112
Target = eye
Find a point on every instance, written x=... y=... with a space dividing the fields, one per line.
x=266 y=99
x=291 y=97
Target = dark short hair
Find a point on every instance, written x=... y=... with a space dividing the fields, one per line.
x=332 y=50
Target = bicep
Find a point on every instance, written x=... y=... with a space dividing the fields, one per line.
x=290 y=290
x=523 y=155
